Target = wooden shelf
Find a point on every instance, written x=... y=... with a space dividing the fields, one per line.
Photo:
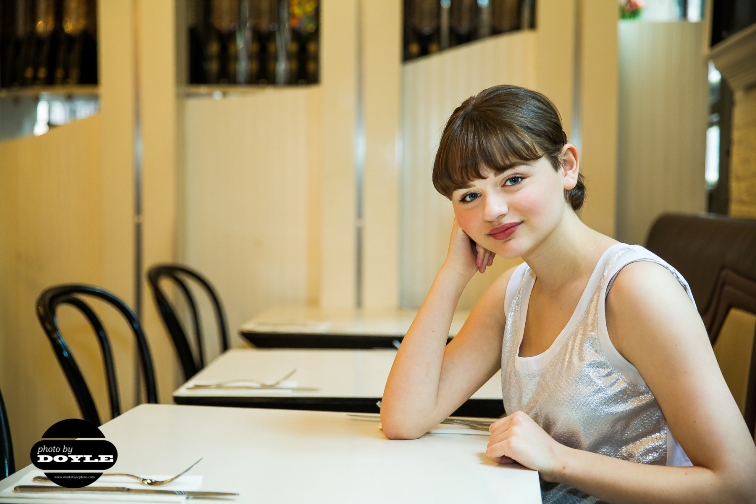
x=223 y=91
x=734 y=57
x=52 y=92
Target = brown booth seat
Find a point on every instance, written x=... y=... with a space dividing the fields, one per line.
x=717 y=256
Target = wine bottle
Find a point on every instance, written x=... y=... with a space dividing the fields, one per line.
x=264 y=48
x=22 y=43
x=424 y=19
x=48 y=34
x=7 y=32
x=303 y=49
x=411 y=46
x=243 y=42
x=505 y=15
x=463 y=21
x=68 y=58
x=527 y=15
x=222 y=55
x=198 y=14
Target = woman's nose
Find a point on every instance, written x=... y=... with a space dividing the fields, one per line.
x=495 y=206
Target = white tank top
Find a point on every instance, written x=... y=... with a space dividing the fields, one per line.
x=581 y=390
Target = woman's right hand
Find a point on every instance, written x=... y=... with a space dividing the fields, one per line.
x=464 y=255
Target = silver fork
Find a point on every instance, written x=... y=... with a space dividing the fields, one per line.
x=144 y=481
x=481 y=425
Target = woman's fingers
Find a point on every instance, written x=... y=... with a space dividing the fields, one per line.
x=483 y=258
x=519 y=438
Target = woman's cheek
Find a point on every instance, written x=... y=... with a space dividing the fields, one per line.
x=529 y=204
x=470 y=223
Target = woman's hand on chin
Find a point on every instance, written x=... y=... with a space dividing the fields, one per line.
x=464 y=255
x=517 y=438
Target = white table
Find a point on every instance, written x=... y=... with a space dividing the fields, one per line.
x=347 y=380
x=275 y=456
x=300 y=326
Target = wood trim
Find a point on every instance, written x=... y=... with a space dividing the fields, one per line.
x=735 y=58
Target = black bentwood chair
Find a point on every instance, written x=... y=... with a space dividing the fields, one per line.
x=47 y=306
x=6 y=445
x=717 y=256
x=179 y=275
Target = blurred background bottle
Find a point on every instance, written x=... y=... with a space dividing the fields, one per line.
x=264 y=48
x=48 y=35
x=505 y=15
x=76 y=60
x=424 y=17
x=304 y=45
x=198 y=14
x=463 y=21
x=221 y=51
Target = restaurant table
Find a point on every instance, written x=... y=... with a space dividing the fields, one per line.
x=276 y=456
x=299 y=326
x=346 y=380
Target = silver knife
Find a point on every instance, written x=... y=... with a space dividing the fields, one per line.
x=191 y=494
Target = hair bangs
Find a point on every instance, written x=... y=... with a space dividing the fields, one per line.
x=473 y=141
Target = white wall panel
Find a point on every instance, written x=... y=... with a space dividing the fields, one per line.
x=662 y=124
x=247 y=200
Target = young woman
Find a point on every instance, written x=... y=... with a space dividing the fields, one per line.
x=609 y=381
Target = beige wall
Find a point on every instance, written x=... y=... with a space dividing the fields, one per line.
x=251 y=213
x=598 y=96
x=663 y=103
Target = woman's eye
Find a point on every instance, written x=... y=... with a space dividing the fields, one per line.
x=513 y=180
x=467 y=198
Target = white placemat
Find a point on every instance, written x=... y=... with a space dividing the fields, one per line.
x=185 y=482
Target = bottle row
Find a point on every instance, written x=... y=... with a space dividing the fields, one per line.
x=431 y=26
x=48 y=42
x=264 y=42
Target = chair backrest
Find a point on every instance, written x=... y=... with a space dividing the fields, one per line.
x=179 y=275
x=717 y=256
x=75 y=295
x=6 y=445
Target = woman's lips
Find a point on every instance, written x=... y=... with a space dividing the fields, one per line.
x=504 y=231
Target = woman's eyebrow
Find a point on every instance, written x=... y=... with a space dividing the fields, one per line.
x=514 y=164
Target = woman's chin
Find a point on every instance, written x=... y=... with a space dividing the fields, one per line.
x=509 y=249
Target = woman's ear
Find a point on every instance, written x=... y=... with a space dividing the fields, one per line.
x=570 y=166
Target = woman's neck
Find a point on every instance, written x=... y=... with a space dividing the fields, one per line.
x=568 y=254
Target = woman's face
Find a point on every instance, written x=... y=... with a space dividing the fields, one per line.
x=514 y=211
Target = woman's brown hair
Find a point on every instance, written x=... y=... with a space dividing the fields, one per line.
x=497 y=128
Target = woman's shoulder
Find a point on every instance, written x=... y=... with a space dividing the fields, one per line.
x=647 y=298
x=633 y=270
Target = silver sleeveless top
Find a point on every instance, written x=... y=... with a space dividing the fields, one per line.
x=581 y=390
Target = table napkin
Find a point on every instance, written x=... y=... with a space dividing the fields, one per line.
x=458 y=429
x=439 y=429
x=185 y=482
x=251 y=388
x=293 y=326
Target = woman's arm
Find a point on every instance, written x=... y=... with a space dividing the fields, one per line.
x=654 y=325
x=430 y=379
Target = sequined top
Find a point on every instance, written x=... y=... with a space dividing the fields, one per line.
x=581 y=390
